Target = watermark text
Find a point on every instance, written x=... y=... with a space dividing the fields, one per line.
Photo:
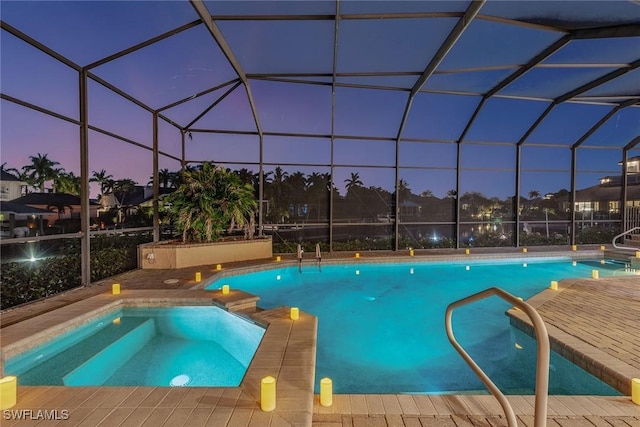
x=35 y=414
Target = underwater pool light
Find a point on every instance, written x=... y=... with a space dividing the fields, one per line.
x=180 y=380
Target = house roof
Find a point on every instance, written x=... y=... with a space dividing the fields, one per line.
x=141 y=195
x=19 y=209
x=49 y=199
x=6 y=176
x=606 y=193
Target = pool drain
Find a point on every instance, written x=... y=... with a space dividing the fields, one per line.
x=180 y=381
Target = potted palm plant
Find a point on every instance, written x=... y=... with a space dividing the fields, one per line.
x=207 y=207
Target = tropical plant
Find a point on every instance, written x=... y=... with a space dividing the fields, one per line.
x=41 y=170
x=67 y=182
x=210 y=200
x=104 y=180
x=120 y=189
x=353 y=181
x=166 y=179
x=59 y=207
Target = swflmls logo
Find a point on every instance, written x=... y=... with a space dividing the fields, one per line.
x=36 y=414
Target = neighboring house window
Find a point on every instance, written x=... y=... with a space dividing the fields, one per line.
x=586 y=206
x=614 y=206
x=4 y=192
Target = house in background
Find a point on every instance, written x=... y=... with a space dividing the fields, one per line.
x=58 y=205
x=15 y=217
x=130 y=202
x=11 y=187
x=602 y=201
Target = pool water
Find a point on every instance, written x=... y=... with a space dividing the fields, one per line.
x=381 y=326
x=160 y=346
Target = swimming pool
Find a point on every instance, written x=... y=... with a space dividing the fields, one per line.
x=381 y=326
x=145 y=346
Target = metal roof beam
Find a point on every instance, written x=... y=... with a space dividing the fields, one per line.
x=529 y=65
x=630 y=146
x=457 y=31
x=597 y=82
x=533 y=127
x=120 y=92
x=585 y=87
x=446 y=46
x=526 y=24
x=216 y=102
x=629 y=30
x=33 y=42
x=602 y=121
x=512 y=77
x=331 y=17
x=37 y=108
x=143 y=44
x=197 y=95
x=204 y=14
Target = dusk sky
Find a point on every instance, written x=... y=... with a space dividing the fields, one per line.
x=189 y=62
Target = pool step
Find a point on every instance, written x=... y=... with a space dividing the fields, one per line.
x=53 y=364
x=101 y=366
x=626 y=257
x=236 y=300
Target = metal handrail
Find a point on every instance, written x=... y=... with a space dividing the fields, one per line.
x=542 y=366
x=300 y=252
x=615 y=245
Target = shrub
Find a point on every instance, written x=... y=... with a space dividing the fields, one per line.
x=592 y=235
x=27 y=281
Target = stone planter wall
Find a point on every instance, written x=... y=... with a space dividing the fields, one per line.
x=176 y=255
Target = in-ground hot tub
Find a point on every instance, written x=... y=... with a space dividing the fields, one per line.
x=145 y=346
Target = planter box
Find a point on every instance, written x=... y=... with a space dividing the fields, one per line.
x=177 y=255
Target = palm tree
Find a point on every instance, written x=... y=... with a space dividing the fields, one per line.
x=426 y=193
x=104 y=180
x=318 y=187
x=166 y=179
x=248 y=177
x=58 y=207
x=275 y=192
x=4 y=169
x=276 y=179
x=534 y=194
x=41 y=170
x=121 y=188
x=353 y=181
x=67 y=183
x=403 y=189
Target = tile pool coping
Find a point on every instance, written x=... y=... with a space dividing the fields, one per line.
x=610 y=370
x=365 y=259
x=287 y=349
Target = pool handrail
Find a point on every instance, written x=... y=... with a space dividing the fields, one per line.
x=543 y=355
x=615 y=245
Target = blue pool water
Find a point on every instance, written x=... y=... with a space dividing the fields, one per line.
x=381 y=326
x=161 y=346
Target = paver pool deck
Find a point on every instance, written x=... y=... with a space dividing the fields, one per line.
x=593 y=322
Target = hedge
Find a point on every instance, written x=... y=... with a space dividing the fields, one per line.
x=27 y=281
